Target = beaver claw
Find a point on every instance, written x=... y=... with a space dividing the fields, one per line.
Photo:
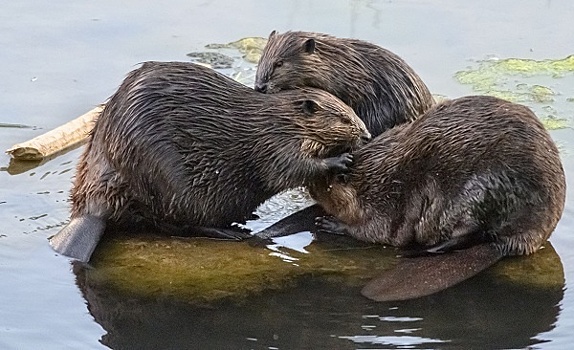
x=330 y=224
x=339 y=164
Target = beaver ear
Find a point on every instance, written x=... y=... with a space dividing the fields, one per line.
x=310 y=106
x=309 y=46
x=272 y=34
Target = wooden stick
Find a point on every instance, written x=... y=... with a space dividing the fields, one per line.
x=56 y=140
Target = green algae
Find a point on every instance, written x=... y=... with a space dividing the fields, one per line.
x=250 y=47
x=524 y=81
x=489 y=72
x=555 y=68
x=486 y=81
x=553 y=123
x=238 y=57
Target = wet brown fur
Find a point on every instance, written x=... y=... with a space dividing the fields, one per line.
x=180 y=144
x=469 y=171
x=381 y=88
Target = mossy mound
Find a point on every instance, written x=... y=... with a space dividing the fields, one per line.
x=203 y=270
x=541 y=269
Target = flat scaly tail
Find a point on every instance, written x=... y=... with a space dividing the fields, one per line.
x=417 y=277
x=79 y=238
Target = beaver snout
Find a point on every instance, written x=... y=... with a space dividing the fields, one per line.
x=366 y=137
x=261 y=87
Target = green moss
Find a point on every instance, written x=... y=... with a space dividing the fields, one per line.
x=203 y=270
x=542 y=269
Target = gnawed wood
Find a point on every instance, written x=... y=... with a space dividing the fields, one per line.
x=56 y=140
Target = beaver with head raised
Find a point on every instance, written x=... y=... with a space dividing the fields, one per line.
x=187 y=148
x=382 y=89
x=476 y=178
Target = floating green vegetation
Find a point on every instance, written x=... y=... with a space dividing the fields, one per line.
x=554 y=68
x=553 y=123
x=250 y=47
x=520 y=80
x=225 y=56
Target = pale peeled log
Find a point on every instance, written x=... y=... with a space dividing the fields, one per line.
x=56 y=140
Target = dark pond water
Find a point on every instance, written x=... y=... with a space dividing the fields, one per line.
x=61 y=58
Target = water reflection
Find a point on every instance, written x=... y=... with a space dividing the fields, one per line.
x=17 y=166
x=505 y=307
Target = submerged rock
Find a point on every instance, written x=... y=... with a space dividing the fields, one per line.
x=187 y=289
x=542 y=269
x=214 y=60
x=203 y=271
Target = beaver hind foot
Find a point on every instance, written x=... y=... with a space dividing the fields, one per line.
x=234 y=233
x=79 y=238
x=421 y=276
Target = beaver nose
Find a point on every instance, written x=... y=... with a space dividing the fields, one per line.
x=366 y=137
x=261 y=87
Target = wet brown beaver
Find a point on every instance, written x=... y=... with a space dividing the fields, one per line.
x=382 y=89
x=478 y=177
x=187 y=148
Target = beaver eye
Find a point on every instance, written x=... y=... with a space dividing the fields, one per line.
x=346 y=121
x=278 y=64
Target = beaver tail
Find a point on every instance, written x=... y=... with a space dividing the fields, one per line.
x=421 y=276
x=79 y=237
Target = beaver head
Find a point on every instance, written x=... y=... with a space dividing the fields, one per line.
x=327 y=126
x=381 y=88
x=285 y=54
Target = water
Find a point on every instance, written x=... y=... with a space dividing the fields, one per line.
x=61 y=58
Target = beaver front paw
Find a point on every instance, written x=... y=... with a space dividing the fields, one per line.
x=330 y=224
x=339 y=164
x=343 y=178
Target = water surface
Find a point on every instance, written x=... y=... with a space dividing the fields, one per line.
x=62 y=58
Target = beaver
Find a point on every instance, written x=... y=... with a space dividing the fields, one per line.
x=382 y=88
x=472 y=180
x=478 y=178
x=183 y=147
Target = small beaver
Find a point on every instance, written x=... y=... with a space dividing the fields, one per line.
x=382 y=89
x=476 y=178
x=191 y=150
x=477 y=174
